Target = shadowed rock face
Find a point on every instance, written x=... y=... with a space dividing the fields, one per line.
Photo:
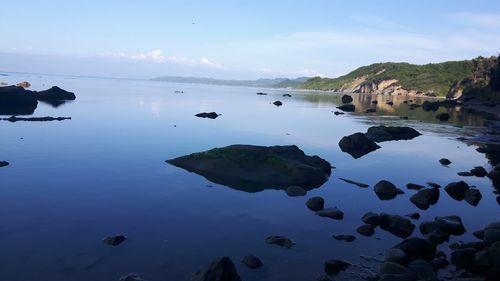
x=16 y=100
x=383 y=133
x=255 y=168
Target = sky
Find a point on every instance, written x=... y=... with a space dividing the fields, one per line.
x=239 y=39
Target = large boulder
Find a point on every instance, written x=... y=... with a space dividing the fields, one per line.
x=426 y=197
x=384 y=133
x=54 y=93
x=255 y=168
x=417 y=248
x=346 y=99
x=315 y=203
x=357 y=145
x=221 y=269
x=16 y=100
x=457 y=190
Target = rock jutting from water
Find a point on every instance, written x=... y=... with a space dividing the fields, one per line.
x=397 y=225
x=278 y=103
x=280 y=241
x=332 y=213
x=425 y=198
x=115 y=240
x=357 y=145
x=389 y=133
x=347 y=107
x=294 y=191
x=360 y=184
x=346 y=99
x=252 y=262
x=344 y=237
x=35 y=119
x=255 y=168
x=210 y=115
x=15 y=100
x=315 y=203
x=333 y=267
x=4 y=164
x=386 y=190
x=444 y=161
x=221 y=269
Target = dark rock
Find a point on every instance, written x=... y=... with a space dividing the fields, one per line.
x=397 y=225
x=346 y=99
x=417 y=248
x=427 y=227
x=451 y=225
x=131 y=277
x=479 y=172
x=398 y=277
x=347 y=107
x=287 y=95
x=433 y=184
x=370 y=110
x=338 y=113
x=491 y=236
x=396 y=255
x=211 y=115
x=440 y=263
x=333 y=267
x=384 y=133
x=54 y=93
x=463 y=258
x=414 y=186
x=414 y=216
x=479 y=234
x=371 y=219
x=255 y=168
x=457 y=190
x=252 y=262
x=494 y=176
x=35 y=119
x=343 y=237
x=393 y=268
x=426 y=197
x=16 y=100
x=4 y=164
x=280 y=241
x=366 y=230
x=430 y=106
x=114 y=240
x=315 y=203
x=443 y=117
x=389 y=103
x=295 y=190
x=385 y=190
x=357 y=145
x=465 y=174
x=355 y=183
x=332 y=213
x=438 y=237
x=262 y=94
x=221 y=269
x=473 y=196
x=278 y=103
x=444 y=161
x=403 y=117
x=423 y=269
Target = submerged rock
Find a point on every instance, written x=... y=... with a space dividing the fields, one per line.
x=333 y=267
x=294 y=191
x=343 y=237
x=114 y=240
x=332 y=213
x=315 y=203
x=426 y=197
x=397 y=225
x=346 y=99
x=360 y=184
x=385 y=190
x=347 y=107
x=253 y=262
x=457 y=190
x=255 y=168
x=357 y=145
x=211 y=115
x=366 y=230
x=4 y=164
x=221 y=269
x=384 y=133
x=280 y=241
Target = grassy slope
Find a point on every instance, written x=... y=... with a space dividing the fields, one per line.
x=430 y=77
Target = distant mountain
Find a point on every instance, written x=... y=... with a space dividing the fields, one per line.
x=268 y=83
x=451 y=79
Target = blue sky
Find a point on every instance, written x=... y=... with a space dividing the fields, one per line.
x=239 y=39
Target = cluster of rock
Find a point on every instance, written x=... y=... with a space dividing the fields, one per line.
x=394 y=224
x=462 y=191
x=16 y=100
x=360 y=144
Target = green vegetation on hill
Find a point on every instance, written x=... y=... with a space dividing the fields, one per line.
x=437 y=78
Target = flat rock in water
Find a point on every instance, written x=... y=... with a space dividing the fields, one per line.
x=344 y=237
x=221 y=269
x=397 y=225
x=444 y=161
x=4 y=164
x=332 y=213
x=114 y=240
x=357 y=145
x=253 y=262
x=54 y=93
x=35 y=119
x=366 y=230
x=364 y=185
x=465 y=174
x=255 y=168
x=333 y=267
x=210 y=115
x=294 y=191
x=384 y=133
x=278 y=103
x=414 y=186
x=280 y=241
x=433 y=184
x=347 y=107
x=262 y=94
x=315 y=203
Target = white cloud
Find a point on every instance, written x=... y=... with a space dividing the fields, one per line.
x=156 y=56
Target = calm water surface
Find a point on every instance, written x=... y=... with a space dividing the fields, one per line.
x=71 y=183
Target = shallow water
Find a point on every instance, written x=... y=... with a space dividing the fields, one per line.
x=71 y=183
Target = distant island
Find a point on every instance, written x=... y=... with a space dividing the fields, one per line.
x=478 y=78
x=266 y=83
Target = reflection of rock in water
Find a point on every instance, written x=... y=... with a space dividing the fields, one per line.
x=255 y=168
